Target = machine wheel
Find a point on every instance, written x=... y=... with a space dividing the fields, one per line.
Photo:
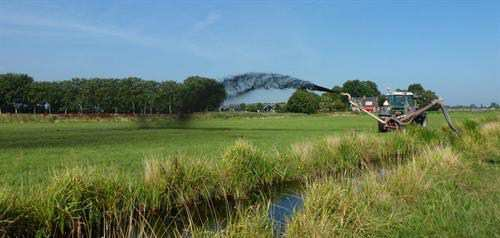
x=424 y=123
x=421 y=120
x=382 y=128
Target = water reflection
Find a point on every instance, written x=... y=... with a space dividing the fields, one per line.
x=282 y=210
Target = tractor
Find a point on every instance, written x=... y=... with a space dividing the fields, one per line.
x=401 y=109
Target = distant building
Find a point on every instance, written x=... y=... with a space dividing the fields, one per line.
x=269 y=107
x=263 y=107
x=368 y=103
x=230 y=108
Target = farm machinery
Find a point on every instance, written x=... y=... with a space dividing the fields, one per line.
x=400 y=109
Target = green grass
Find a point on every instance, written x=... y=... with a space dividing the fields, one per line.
x=119 y=176
x=34 y=150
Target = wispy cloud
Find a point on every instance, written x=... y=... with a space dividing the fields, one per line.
x=194 y=44
x=208 y=21
x=26 y=20
x=29 y=23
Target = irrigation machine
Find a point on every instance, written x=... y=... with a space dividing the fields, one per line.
x=401 y=109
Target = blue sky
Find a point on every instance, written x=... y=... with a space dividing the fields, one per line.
x=451 y=47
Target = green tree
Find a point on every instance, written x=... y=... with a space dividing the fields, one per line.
x=13 y=90
x=416 y=88
x=35 y=95
x=130 y=91
x=167 y=99
x=199 y=94
x=110 y=95
x=148 y=96
x=105 y=95
x=252 y=107
x=303 y=101
x=333 y=101
x=280 y=107
x=259 y=106
x=381 y=100
x=327 y=102
x=243 y=107
x=423 y=96
x=359 y=88
x=68 y=92
x=41 y=93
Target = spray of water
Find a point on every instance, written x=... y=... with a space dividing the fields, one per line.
x=243 y=83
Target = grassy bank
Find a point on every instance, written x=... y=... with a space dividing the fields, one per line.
x=446 y=189
x=435 y=194
x=179 y=193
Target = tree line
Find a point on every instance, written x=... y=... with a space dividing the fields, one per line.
x=20 y=93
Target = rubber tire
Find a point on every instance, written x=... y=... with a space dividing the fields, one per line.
x=421 y=120
x=382 y=128
x=424 y=123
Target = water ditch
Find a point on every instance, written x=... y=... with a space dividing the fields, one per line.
x=282 y=210
x=285 y=201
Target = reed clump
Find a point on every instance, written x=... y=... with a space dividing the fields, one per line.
x=85 y=202
x=244 y=169
x=180 y=180
x=478 y=141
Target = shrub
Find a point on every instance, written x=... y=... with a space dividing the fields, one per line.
x=358 y=150
x=426 y=136
x=303 y=101
x=323 y=159
x=83 y=202
x=342 y=155
x=180 y=180
x=478 y=142
x=287 y=167
x=245 y=169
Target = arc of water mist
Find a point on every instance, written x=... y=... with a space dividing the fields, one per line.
x=239 y=84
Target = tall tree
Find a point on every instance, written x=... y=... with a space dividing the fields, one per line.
x=44 y=94
x=303 y=101
x=199 y=94
x=167 y=99
x=69 y=92
x=13 y=90
x=422 y=95
x=130 y=91
x=330 y=102
x=359 y=88
x=148 y=96
x=110 y=95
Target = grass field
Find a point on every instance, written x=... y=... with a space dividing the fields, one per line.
x=128 y=177
x=34 y=150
